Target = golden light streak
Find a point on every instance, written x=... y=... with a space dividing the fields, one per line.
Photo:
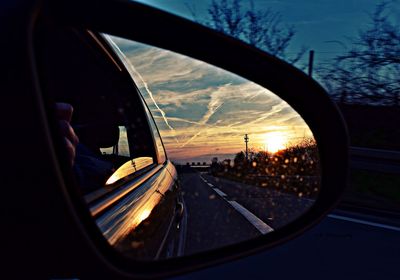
x=144 y=215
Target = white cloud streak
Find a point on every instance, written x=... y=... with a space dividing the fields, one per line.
x=205 y=102
x=137 y=74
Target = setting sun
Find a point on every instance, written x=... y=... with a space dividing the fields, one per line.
x=274 y=142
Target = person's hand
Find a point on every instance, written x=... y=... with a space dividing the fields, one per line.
x=64 y=114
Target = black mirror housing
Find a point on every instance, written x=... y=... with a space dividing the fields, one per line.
x=154 y=27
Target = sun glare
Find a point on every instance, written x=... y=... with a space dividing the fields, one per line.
x=274 y=142
x=144 y=215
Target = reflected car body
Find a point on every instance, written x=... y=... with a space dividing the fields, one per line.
x=134 y=223
x=121 y=168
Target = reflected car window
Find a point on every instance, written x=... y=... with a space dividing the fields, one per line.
x=121 y=148
x=161 y=156
x=108 y=118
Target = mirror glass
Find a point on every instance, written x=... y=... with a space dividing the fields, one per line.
x=175 y=156
x=246 y=162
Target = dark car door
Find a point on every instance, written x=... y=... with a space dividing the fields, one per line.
x=121 y=169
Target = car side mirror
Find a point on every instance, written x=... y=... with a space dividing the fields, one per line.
x=154 y=28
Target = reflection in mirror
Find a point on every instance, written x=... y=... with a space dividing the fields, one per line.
x=129 y=168
x=103 y=160
x=247 y=163
x=186 y=159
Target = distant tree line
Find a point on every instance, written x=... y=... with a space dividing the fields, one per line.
x=368 y=72
x=294 y=169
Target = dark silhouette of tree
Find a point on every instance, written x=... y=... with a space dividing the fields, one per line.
x=261 y=28
x=369 y=73
x=240 y=159
x=240 y=163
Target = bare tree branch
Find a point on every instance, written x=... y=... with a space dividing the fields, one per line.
x=262 y=29
x=370 y=71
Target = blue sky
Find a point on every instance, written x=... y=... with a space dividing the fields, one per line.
x=316 y=21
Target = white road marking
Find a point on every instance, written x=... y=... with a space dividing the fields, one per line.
x=204 y=180
x=253 y=219
x=221 y=193
x=358 y=221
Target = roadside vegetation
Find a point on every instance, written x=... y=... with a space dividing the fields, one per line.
x=295 y=169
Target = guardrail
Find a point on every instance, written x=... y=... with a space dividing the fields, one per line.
x=375 y=160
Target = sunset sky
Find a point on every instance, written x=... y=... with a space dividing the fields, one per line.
x=203 y=111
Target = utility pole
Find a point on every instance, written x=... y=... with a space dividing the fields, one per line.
x=310 y=63
x=246 y=140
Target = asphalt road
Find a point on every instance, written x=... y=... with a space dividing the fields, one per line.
x=273 y=207
x=211 y=221
x=345 y=245
x=222 y=212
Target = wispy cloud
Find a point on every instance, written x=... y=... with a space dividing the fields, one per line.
x=142 y=81
x=209 y=109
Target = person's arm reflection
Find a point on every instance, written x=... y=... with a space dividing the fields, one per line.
x=90 y=169
x=64 y=113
